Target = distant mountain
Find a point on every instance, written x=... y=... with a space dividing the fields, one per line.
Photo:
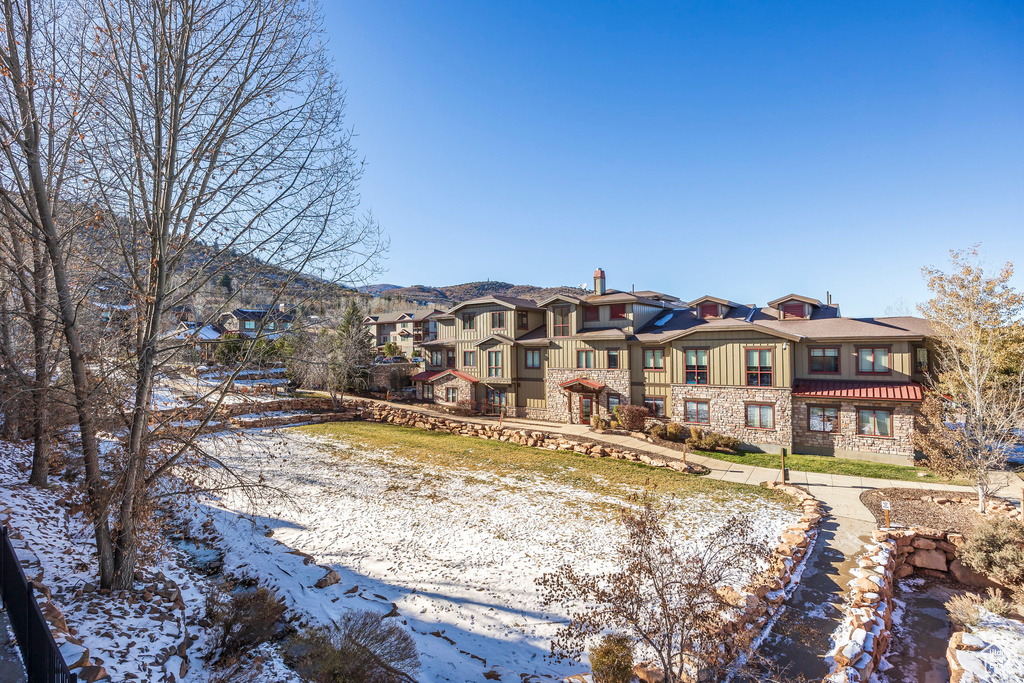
x=453 y=294
x=377 y=289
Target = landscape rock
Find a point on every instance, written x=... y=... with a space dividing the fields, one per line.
x=328 y=579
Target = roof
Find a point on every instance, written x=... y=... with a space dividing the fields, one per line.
x=433 y=375
x=859 y=391
x=815 y=327
x=412 y=314
x=260 y=314
x=589 y=383
x=684 y=322
x=500 y=299
x=193 y=332
x=793 y=297
x=712 y=299
x=500 y=338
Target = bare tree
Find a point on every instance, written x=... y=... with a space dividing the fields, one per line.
x=969 y=425
x=208 y=122
x=334 y=358
x=669 y=595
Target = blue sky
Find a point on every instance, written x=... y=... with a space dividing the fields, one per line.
x=740 y=150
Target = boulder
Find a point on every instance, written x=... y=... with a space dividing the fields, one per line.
x=929 y=559
x=648 y=673
x=969 y=577
x=923 y=543
x=328 y=579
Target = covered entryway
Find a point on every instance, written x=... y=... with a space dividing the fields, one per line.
x=583 y=395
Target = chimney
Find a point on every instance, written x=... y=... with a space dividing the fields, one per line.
x=599 y=287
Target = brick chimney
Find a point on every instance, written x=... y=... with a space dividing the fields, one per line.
x=599 y=286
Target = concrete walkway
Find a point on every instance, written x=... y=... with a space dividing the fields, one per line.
x=839 y=492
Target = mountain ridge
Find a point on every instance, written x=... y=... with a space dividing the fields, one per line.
x=450 y=295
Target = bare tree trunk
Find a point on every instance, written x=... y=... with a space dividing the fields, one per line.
x=29 y=142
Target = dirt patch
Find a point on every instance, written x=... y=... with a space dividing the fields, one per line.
x=916 y=507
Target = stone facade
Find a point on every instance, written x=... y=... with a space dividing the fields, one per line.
x=727 y=407
x=466 y=389
x=564 y=406
x=846 y=442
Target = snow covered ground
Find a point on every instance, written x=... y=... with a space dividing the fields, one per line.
x=1001 y=659
x=454 y=552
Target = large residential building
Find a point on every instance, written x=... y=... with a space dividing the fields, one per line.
x=792 y=374
x=407 y=328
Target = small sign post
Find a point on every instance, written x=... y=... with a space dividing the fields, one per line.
x=785 y=474
x=886 y=505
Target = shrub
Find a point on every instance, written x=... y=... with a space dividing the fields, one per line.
x=712 y=441
x=595 y=421
x=246 y=619
x=465 y=407
x=963 y=610
x=996 y=549
x=676 y=432
x=611 y=661
x=632 y=418
x=614 y=424
x=659 y=431
x=365 y=647
x=997 y=604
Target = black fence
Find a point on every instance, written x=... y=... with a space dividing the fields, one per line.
x=42 y=658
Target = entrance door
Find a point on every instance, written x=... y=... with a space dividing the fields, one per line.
x=586 y=408
x=495 y=401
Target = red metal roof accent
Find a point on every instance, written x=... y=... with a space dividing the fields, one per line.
x=864 y=391
x=585 y=382
x=431 y=375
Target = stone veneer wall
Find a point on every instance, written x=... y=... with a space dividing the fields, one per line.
x=466 y=389
x=728 y=409
x=561 y=409
x=847 y=438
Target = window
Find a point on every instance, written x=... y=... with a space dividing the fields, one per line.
x=823 y=419
x=794 y=310
x=451 y=394
x=450 y=358
x=494 y=363
x=656 y=405
x=287 y=325
x=428 y=392
x=613 y=359
x=761 y=416
x=618 y=311
x=921 y=360
x=696 y=366
x=533 y=358
x=250 y=324
x=759 y=368
x=654 y=359
x=469 y=359
x=825 y=360
x=708 y=310
x=584 y=359
x=270 y=326
x=874 y=422
x=612 y=402
x=498 y=320
x=436 y=358
x=698 y=412
x=468 y=321
x=591 y=313
x=560 y=328
x=873 y=361
x=522 y=320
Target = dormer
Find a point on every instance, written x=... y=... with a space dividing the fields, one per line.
x=794 y=307
x=711 y=307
